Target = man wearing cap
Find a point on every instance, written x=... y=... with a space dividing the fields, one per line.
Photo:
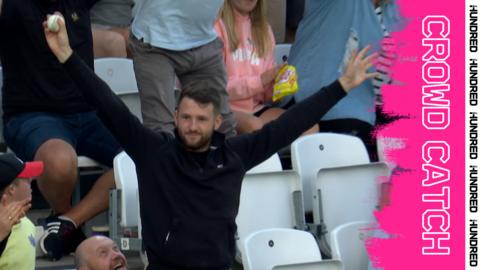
x=17 y=248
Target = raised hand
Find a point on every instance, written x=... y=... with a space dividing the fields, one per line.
x=10 y=214
x=356 y=71
x=269 y=75
x=58 y=41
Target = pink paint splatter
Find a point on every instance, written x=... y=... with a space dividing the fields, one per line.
x=402 y=218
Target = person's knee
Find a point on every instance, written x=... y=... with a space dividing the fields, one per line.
x=59 y=158
x=109 y=44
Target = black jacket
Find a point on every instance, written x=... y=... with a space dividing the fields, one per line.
x=188 y=211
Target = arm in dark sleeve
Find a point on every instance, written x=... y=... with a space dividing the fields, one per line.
x=256 y=147
x=90 y=3
x=125 y=127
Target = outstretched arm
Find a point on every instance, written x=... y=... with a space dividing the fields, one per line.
x=258 y=146
x=126 y=128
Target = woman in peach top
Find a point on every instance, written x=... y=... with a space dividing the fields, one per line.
x=249 y=59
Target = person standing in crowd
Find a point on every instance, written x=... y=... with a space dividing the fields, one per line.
x=176 y=38
x=46 y=117
x=17 y=232
x=111 y=21
x=189 y=184
x=322 y=48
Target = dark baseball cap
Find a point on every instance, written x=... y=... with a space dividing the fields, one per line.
x=12 y=167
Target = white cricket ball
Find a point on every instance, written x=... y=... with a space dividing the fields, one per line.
x=52 y=23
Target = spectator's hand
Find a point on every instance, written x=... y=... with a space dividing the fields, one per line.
x=58 y=41
x=268 y=76
x=355 y=72
x=11 y=214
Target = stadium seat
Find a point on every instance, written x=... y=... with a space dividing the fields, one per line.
x=348 y=193
x=124 y=207
x=126 y=181
x=268 y=200
x=348 y=245
x=335 y=168
x=281 y=52
x=272 y=164
x=267 y=248
x=323 y=150
x=320 y=265
x=119 y=75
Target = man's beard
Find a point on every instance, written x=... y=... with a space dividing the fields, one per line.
x=200 y=144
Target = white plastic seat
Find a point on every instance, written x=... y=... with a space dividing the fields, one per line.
x=267 y=200
x=272 y=164
x=324 y=150
x=126 y=181
x=119 y=75
x=282 y=51
x=348 y=193
x=348 y=245
x=270 y=247
x=124 y=210
x=320 y=265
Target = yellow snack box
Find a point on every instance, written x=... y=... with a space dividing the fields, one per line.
x=285 y=83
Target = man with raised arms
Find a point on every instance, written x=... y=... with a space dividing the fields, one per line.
x=189 y=185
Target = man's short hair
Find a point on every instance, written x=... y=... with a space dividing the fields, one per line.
x=203 y=92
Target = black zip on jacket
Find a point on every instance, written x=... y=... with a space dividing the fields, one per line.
x=187 y=210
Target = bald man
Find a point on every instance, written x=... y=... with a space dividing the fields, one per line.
x=99 y=253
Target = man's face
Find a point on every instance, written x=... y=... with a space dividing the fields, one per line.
x=196 y=123
x=103 y=254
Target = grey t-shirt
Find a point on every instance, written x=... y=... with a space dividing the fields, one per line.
x=117 y=13
x=176 y=24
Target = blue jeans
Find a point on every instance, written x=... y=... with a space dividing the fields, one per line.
x=26 y=132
